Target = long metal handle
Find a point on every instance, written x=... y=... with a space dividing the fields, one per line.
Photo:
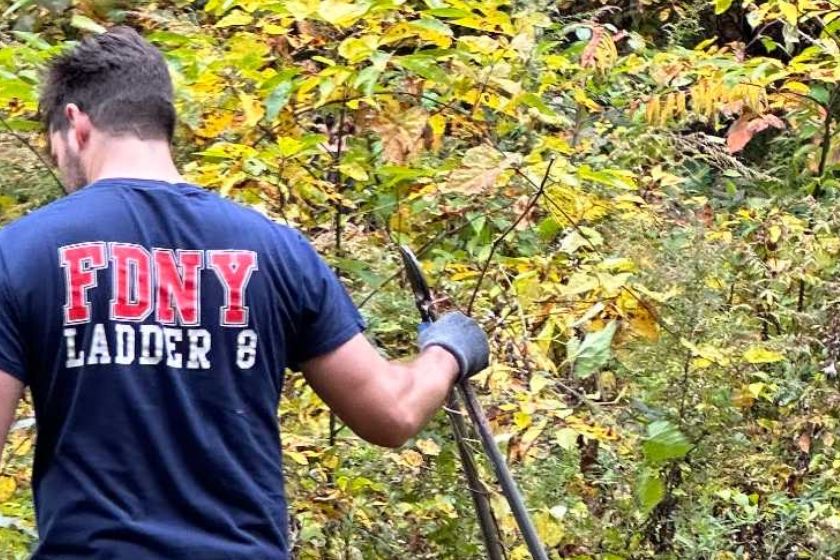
x=484 y=512
x=486 y=519
x=511 y=491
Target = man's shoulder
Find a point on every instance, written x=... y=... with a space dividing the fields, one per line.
x=34 y=222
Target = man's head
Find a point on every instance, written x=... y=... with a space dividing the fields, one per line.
x=109 y=86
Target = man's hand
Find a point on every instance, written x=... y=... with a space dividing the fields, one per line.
x=387 y=403
x=11 y=390
x=464 y=339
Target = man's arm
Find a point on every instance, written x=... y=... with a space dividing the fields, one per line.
x=385 y=403
x=11 y=389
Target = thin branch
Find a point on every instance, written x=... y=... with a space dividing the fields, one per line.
x=531 y=203
x=32 y=149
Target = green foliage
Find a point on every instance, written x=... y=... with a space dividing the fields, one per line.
x=661 y=215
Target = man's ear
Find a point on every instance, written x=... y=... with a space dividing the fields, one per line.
x=80 y=125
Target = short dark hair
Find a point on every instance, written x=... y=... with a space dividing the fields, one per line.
x=119 y=79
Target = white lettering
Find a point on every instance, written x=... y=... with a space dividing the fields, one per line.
x=125 y=344
x=200 y=342
x=171 y=337
x=147 y=332
x=73 y=360
x=246 y=351
x=153 y=345
x=99 y=353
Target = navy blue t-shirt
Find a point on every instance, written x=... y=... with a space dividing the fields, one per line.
x=153 y=323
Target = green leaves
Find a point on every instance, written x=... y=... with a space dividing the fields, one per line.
x=280 y=94
x=424 y=66
x=650 y=489
x=593 y=353
x=664 y=441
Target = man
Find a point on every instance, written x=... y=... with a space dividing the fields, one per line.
x=153 y=321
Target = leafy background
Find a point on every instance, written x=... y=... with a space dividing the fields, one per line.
x=637 y=200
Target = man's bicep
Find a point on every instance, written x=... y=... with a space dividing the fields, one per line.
x=353 y=381
x=11 y=389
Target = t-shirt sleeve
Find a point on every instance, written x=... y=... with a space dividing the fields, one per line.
x=327 y=317
x=11 y=341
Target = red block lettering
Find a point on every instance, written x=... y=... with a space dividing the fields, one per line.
x=178 y=286
x=81 y=263
x=234 y=269
x=132 y=279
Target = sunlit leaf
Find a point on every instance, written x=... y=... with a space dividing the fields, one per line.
x=761 y=355
x=665 y=441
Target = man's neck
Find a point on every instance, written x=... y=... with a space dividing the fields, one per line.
x=130 y=157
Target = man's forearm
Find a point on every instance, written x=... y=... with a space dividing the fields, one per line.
x=10 y=392
x=423 y=385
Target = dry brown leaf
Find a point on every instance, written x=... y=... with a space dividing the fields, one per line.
x=588 y=57
x=480 y=169
x=804 y=442
x=401 y=134
x=743 y=130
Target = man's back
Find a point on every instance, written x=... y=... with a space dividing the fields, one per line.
x=153 y=322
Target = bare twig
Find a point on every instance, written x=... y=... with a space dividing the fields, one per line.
x=32 y=149
x=531 y=203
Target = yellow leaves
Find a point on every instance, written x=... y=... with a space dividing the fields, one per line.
x=480 y=169
x=342 y=13
x=761 y=355
x=721 y=6
x=357 y=49
x=746 y=396
x=401 y=133
x=215 y=124
x=639 y=316
x=660 y=110
x=432 y=30
x=437 y=125
x=583 y=99
x=538 y=383
x=708 y=97
x=411 y=458
x=522 y=419
x=354 y=170
x=252 y=107
x=549 y=529
x=706 y=354
x=796 y=87
x=301 y=9
x=572 y=205
x=789 y=12
x=235 y=17
x=533 y=432
x=493 y=21
x=604 y=434
x=8 y=485
x=428 y=447
x=479 y=44
x=774 y=233
x=228 y=150
x=296 y=456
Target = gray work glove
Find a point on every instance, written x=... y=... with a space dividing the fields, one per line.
x=462 y=337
